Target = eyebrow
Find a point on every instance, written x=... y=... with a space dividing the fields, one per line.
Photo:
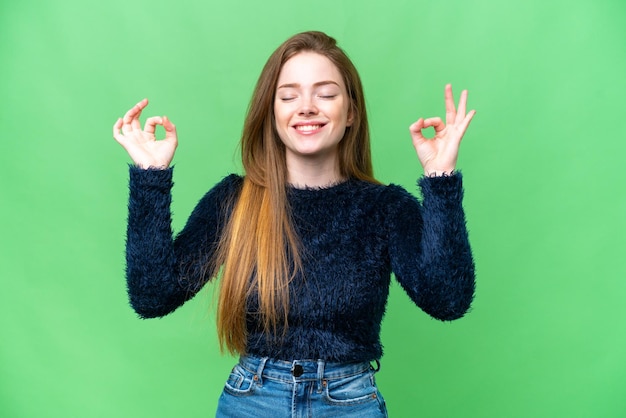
x=297 y=85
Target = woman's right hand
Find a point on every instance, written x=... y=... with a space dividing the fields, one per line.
x=142 y=145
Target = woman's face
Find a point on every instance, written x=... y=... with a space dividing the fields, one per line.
x=312 y=108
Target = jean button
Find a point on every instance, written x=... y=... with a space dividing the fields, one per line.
x=297 y=370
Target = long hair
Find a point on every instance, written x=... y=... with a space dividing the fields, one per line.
x=258 y=251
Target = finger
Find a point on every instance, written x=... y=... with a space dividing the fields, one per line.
x=460 y=115
x=416 y=131
x=450 y=108
x=466 y=121
x=131 y=118
x=170 y=129
x=116 y=130
x=151 y=123
x=436 y=123
x=135 y=111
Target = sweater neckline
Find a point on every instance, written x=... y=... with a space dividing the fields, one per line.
x=334 y=186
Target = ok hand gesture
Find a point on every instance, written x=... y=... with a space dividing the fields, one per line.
x=142 y=145
x=438 y=155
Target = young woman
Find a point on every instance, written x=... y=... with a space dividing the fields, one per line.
x=306 y=241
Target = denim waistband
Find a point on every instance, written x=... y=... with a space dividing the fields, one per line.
x=302 y=370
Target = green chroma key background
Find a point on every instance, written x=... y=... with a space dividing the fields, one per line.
x=544 y=175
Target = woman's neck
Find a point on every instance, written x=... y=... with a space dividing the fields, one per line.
x=313 y=173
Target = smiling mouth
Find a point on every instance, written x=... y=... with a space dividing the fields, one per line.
x=307 y=128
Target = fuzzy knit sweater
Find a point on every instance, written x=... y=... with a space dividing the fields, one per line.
x=354 y=235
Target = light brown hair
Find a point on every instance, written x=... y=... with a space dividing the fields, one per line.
x=258 y=251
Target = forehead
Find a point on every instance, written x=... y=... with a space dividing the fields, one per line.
x=308 y=68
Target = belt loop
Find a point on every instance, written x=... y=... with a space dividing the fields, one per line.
x=320 y=375
x=375 y=370
x=258 y=377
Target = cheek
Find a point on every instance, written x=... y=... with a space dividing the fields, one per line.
x=343 y=113
x=281 y=116
x=276 y=114
x=280 y=126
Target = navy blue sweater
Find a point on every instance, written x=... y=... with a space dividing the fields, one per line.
x=354 y=235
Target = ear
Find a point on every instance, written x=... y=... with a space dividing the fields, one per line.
x=350 y=118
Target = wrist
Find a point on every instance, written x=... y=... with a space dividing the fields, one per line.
x=438 y=173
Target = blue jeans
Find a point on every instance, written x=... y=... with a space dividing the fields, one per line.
x=267 y=388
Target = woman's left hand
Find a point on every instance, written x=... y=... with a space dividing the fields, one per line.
x=438 y=155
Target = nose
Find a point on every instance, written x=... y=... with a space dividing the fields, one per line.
x=307 y=106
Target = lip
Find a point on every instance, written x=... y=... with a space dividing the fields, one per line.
x=309 y=122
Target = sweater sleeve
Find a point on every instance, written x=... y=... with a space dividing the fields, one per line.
x=429 y=248
x=163 y=272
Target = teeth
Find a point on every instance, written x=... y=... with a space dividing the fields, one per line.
x=308 y=127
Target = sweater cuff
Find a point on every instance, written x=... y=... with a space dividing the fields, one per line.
x=151 y=177
x=448 y=187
